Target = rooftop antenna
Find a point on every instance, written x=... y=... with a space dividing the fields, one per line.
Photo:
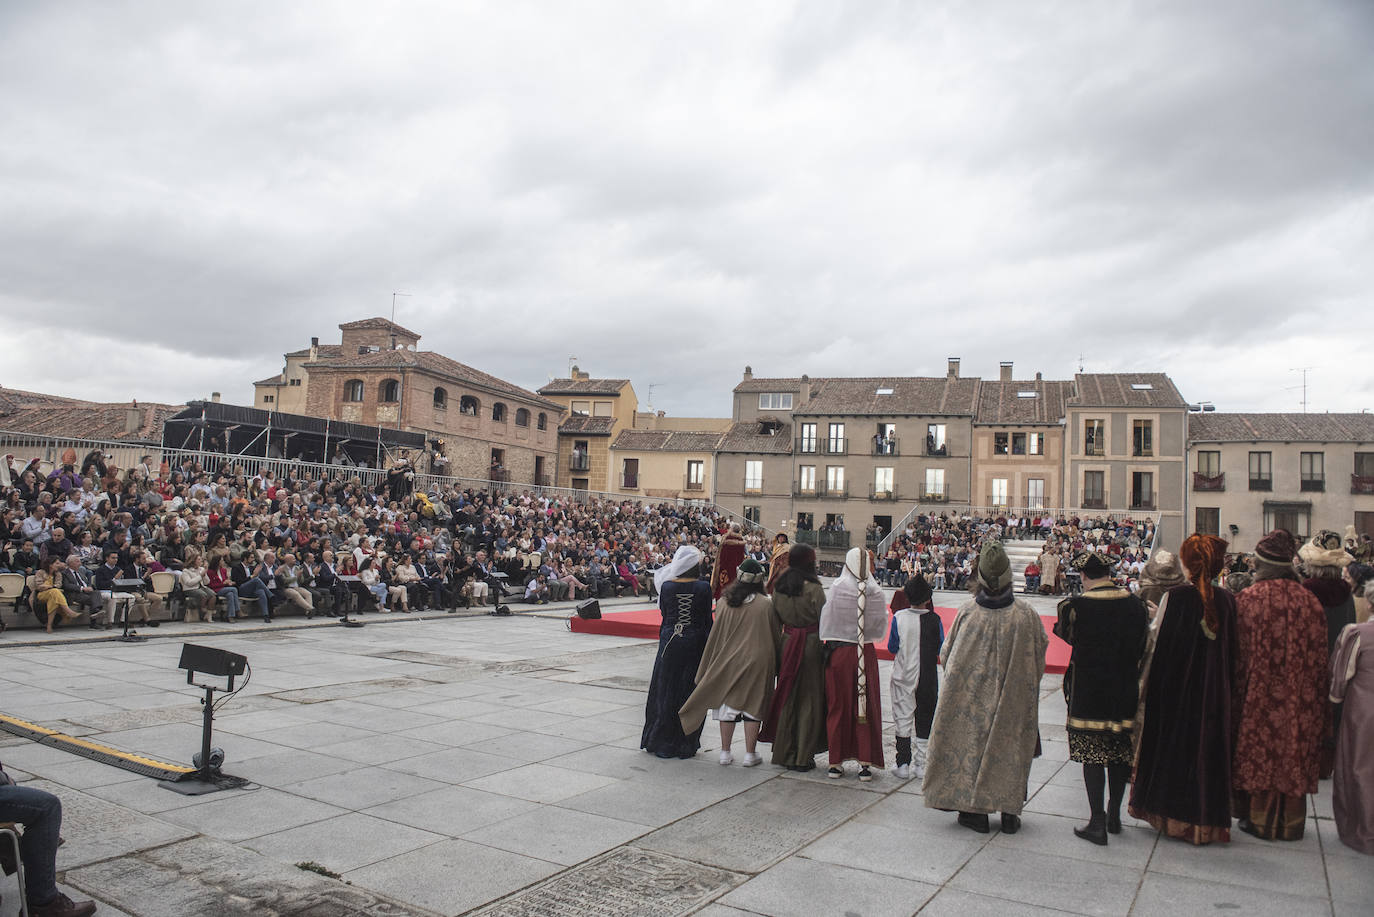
x=652 y=386
x=1304 y=370
x=393 y=305
x=1080 y=361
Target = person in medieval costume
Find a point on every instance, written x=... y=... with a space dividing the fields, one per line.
x=1280 y=696
x=728 y=558
x=987 y=721
x=853 y=620
x=735 y=678
x=1324 y=559
x=1352 y=783
x=914 y=641
x=1048 y=562
x=1107 y=627
x=795 y=722
x=1162 y=572
x=1182 y=780
x=778 y=562
x=685 y=603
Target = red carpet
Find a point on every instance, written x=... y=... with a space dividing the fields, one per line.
x=644 y=623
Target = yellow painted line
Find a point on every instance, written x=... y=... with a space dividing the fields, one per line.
x=59 y=739
x=27 y=725
x=124 y=755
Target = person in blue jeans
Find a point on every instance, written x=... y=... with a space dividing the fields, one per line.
x=40 y=813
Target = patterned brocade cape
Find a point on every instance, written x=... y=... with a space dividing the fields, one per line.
x=1280 y=689
x=987 y=719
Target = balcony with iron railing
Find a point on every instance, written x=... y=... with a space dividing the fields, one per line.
x=1147 y=501
x=1314 y=484
x=1209 y=483
x=882 y=494
x=887 y=447
x=545 y=480
x=999 y=501
x=806 y=446
x=836 y=491
x=835 y=446
x=629 y=481
x=1094 y=503
x=936 y=451
x=689 y=484
x=754 y=486
x=580 y=461
x=1261 y=482
x=1362 y=484
x=821 y=539
x=934 y=494
x=499 y=475
x=805 y=490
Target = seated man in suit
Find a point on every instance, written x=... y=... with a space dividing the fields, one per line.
x=79 y=587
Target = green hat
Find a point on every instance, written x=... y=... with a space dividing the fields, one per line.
x=994 y=570
x=751 y=571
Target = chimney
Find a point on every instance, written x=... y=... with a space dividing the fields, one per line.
x=805 y=394
x=953 y=367
x=748 y=372
x=1038 y=377
x=133 y=418
x=393 y=341
x=214 y=397
x=314 y=348
x=1006 y=371
x=578 y=375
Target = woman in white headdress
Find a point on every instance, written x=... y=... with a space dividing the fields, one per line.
x=684 y=599
x=854 y=617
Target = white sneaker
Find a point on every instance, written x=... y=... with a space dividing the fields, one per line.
x=725 y=757
x=902 y=772
x=752 y=759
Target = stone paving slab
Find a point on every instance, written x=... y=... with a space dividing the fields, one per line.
x=456 y=763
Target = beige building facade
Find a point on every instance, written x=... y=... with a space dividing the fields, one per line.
x=1018 y=443
x=486 y=427
x=1251 y=473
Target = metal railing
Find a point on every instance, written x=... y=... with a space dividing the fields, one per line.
x=1312 y=485
x=629 y=481
x=838 y=445
x=822 y=539
x=887 y=447
x=1209 y=483
x=580 y=462
x=1362 y=484
x=689 y=484
x=885 y=494
x=1265 y=483
x=934 y=495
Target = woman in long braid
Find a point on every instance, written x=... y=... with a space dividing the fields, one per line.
x=854 y=616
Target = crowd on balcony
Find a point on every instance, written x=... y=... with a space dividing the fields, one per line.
x=258 y=542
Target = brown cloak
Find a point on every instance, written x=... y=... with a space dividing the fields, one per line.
x=739 y=663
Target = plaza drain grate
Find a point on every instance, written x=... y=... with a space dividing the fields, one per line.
x=136 y=764
x=626 y=882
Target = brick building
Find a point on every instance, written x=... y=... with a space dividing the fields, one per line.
x=377 y=375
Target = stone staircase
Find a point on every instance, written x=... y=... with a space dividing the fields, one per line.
x=1021 y=553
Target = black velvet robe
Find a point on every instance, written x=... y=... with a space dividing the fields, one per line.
x=686 y=608
x=1183 y=765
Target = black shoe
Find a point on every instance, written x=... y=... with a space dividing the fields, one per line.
x=1113 y=822
x=151 y=623
x=975 y=821
x=62 y=906
x=865 y=775
x=1010 y=823
x=1095 y=831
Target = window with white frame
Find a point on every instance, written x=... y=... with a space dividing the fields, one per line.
x=775 y=401
x=834 y=479
x=807 y=443
x=753 y=475
x=806 y=479
x=999 y=491
x=935 y=482
x=882 y=480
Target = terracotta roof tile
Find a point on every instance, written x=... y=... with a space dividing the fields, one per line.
x=769 y=385
x=57 y=416
x=591 y=426
x=1289 y=428
x=278 y=379
x=1113 y=390
x=749 y=437
x=584 y=387
x=908 y=395
x=377 y=322
x=666 y=441
x=1001 y=402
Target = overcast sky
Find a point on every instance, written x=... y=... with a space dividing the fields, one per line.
x=671 y=191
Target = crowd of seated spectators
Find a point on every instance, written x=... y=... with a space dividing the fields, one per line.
x=944 y=547
x=271 y=542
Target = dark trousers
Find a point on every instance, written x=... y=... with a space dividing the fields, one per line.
x=256 y=589
x=40 y=813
